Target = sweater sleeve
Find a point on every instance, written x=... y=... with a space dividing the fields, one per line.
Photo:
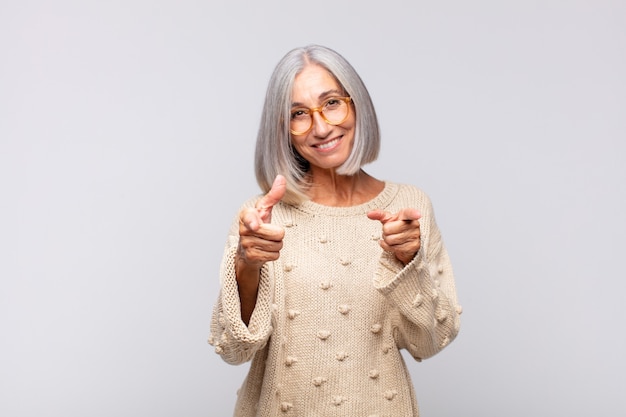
x=426 y=312
x=235 y=342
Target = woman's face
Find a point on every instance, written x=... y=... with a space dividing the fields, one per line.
x=324 y=146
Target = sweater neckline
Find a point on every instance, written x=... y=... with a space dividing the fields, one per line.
x=381 y=201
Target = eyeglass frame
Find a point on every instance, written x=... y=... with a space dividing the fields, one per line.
x=318 y=109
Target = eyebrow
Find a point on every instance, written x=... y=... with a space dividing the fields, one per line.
x=322 y=96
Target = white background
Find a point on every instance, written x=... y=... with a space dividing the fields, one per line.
x=127 y=131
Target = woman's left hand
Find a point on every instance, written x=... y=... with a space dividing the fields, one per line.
x=401 y=232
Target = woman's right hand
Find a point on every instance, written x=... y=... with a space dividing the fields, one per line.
x=260 y=241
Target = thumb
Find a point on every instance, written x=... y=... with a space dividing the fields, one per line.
x=274 y=195
x=409 y=214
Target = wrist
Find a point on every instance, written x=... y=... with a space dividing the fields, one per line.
x=247 y=276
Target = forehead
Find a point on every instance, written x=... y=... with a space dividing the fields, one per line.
x=313 y=82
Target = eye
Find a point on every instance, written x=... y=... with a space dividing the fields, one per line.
x=332 y=103
x=299 y=114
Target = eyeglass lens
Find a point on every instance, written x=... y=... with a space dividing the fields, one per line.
x=334 y=111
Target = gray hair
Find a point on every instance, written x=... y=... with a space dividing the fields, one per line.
x=274 y=152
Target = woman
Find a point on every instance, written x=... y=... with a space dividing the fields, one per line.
x=331 y=272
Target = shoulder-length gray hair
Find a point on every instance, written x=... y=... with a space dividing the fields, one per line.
x=274 y=152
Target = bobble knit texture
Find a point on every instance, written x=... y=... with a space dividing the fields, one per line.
x=334 y=311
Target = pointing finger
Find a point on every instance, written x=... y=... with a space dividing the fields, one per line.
x=273 y=196
x=380 y=215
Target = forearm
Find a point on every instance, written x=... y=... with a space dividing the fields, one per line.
x=423 y=294
x=248 y=286
x=234 y=340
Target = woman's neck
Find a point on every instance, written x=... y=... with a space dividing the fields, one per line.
x=331 y=189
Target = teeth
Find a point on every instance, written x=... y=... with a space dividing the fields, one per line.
x=328 y=145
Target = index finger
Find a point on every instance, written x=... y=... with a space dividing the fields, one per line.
x=380 y=215
x=273 y=196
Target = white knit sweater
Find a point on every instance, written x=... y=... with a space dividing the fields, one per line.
x=334 y=311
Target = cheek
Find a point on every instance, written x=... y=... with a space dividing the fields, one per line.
x=351 y=123
x=351 y=131
x=297 y=143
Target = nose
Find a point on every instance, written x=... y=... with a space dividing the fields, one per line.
x=320 y=127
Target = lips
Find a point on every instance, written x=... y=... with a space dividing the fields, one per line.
x=328 y=145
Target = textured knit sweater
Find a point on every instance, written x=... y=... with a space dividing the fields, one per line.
x=333 y=312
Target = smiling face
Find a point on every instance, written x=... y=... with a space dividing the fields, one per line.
x=324 y=146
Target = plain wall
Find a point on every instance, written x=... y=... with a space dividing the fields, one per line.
x=127 y=132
